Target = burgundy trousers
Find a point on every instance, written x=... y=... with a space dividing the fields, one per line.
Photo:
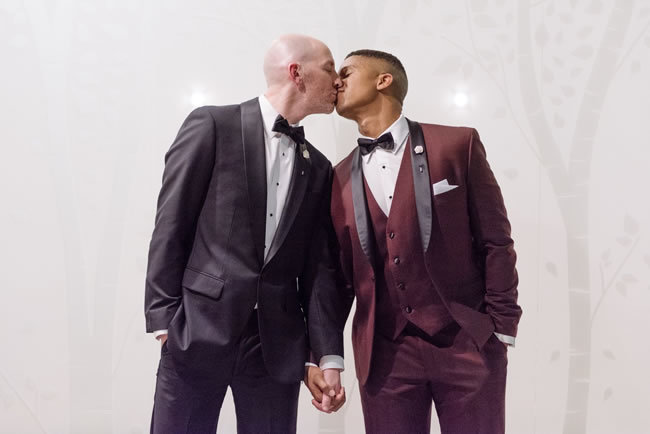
x=467 y=385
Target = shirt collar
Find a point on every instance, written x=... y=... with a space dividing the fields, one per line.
x=269 y=114
x=399 y=130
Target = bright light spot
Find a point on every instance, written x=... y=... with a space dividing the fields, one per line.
x=461 y=99
x=197 y=99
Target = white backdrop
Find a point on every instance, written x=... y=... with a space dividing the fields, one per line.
x=92 y=94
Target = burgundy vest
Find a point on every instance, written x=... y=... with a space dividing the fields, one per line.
x=404 y=290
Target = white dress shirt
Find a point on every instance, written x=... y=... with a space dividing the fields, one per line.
x=380 y=169
x=280 y=153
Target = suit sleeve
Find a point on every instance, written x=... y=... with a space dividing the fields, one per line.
x=188 y=170
x=491 y=233
x=318 y=285
x=341 y=252
x=345 y=292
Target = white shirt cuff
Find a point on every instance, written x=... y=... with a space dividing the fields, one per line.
x=508 y=340
x=332 y=362
x=311 y=364
x=158 y=333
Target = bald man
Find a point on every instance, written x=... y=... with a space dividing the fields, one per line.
x=240 y=285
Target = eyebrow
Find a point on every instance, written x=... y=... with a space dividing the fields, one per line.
x=345 y=68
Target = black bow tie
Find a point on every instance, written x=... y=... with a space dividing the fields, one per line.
x=297 y=134
x=385 y=141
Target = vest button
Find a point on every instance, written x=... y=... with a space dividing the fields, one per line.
x=396 y=260
x=401 y=286
x=408 y=309
x=391 y=235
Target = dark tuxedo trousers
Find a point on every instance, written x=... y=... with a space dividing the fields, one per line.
x=207 y=269
x=262 y=403
x=433 y=281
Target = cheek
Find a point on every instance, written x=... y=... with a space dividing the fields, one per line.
x=357 y=90
x=321 y=83
x=325 y=82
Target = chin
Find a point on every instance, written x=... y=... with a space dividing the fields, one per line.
x=323 y=107
x=342 y=112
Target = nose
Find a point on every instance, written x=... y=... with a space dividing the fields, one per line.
x=338 y=82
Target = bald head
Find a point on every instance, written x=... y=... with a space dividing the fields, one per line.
x=301 y=77
x=288 y=49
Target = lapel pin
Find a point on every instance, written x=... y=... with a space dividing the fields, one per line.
x=419 y=149
x=305 y=152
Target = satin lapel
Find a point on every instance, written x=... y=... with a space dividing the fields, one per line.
x=361 y=213
x=295 y=196
x=421 y=182
x=255 y=158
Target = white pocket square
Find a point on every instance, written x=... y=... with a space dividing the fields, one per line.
x=442 y=187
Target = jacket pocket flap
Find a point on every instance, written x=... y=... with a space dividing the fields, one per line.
x=203 y=283
x=479 y=325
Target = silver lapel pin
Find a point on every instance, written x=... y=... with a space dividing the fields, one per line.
x=305 y=152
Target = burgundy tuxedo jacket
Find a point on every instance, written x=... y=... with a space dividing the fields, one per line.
x=464 y=235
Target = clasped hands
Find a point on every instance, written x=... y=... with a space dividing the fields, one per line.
x=325 y=387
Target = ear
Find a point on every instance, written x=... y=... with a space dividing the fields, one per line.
x=384 y=80
x=295 y=73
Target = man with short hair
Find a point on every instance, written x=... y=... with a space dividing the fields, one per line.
x=240 y=288
x=425 y=247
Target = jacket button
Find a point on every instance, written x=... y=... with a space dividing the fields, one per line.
x=408 y=309
x=391 y=235
x=396 y=260
x=401 y=286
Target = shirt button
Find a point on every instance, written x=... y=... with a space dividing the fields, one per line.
x=401 y=286
x=396 y=260
x=391 y=235
x=408 y=309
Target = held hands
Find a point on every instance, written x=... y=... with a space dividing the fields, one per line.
x=325 y=387
x=162 y=339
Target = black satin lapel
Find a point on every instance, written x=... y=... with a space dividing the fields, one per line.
x=361 y=213
x=255 y=158
x=295 y=196
x=421 y=182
